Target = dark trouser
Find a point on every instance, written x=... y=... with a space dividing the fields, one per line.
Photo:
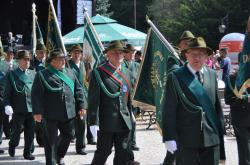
x=6 y=126
x=198 y=156
x=56 y=146
x=132 y=133
x=39 y=133
x=28 y=127
x=169 y=159
x=243 y=142
x=105 y=142
x=89 y=134
x=1 y=122
x=80 y=133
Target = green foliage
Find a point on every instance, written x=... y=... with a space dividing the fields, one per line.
x=202 y=17
x=124 y=12
x=102 y=7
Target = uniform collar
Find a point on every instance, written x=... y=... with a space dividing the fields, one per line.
x=119 y=67
x=194 y=71
x=23 y=69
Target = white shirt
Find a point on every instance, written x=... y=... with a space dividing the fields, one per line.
x=23 y=70
x=194 y=71
x=78 y=65
x=10 y=64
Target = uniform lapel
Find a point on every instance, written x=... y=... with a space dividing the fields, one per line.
x=200 y=94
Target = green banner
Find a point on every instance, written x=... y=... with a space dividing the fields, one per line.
x=90 y=44
x=53 y=35
x=39 y=37
x=243 y=76
x=153 y=76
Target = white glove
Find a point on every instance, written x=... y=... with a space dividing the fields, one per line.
x=8 y=110
x=171 y=146
x=93 y=130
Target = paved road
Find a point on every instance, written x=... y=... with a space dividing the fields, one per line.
x=152 y=151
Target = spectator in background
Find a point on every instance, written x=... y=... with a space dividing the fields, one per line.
x=209 y=62
x=225 y=63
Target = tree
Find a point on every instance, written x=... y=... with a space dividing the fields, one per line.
x=102 y=8
x=124 y=13
x=202 y=17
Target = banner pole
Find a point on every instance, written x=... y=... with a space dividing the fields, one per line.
x=57 y=27
x=93 y=28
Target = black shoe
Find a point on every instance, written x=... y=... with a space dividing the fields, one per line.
x=1 y=151
x=40 y=145
x=29 y=157
x=92 y=143
x=11 y=151
x=60 y=161
x=132 y=162
x=7 y=137
x=81 y=152
x=135 y=148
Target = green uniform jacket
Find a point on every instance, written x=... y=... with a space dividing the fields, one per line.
x=61 y=104
x=81 y=75
x=240 y=108
x=111 y=114
x=133 y=67
x=79 y=72
x=37 y=65
x=173 y=63
x=182 y=123
x=18 y=90
x=4 y=67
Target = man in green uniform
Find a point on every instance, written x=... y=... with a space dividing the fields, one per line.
x=240 y=114
x=38 y=63
x=240 y=108
x=172 y=64
x=7 y=65
x=57 y=97
x=17 y=100
x=80 y=123
x=133 y=67
x=110 y=108
x=192 y=119
x=182 y=43
x=2 y=86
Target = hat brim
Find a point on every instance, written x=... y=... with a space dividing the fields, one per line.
x=80 y=50
x=180 y=39
x=26 y=57
x=106 y=50
x=209 y=50
x=128 y=50
x=51 y=58
x=40 y=49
